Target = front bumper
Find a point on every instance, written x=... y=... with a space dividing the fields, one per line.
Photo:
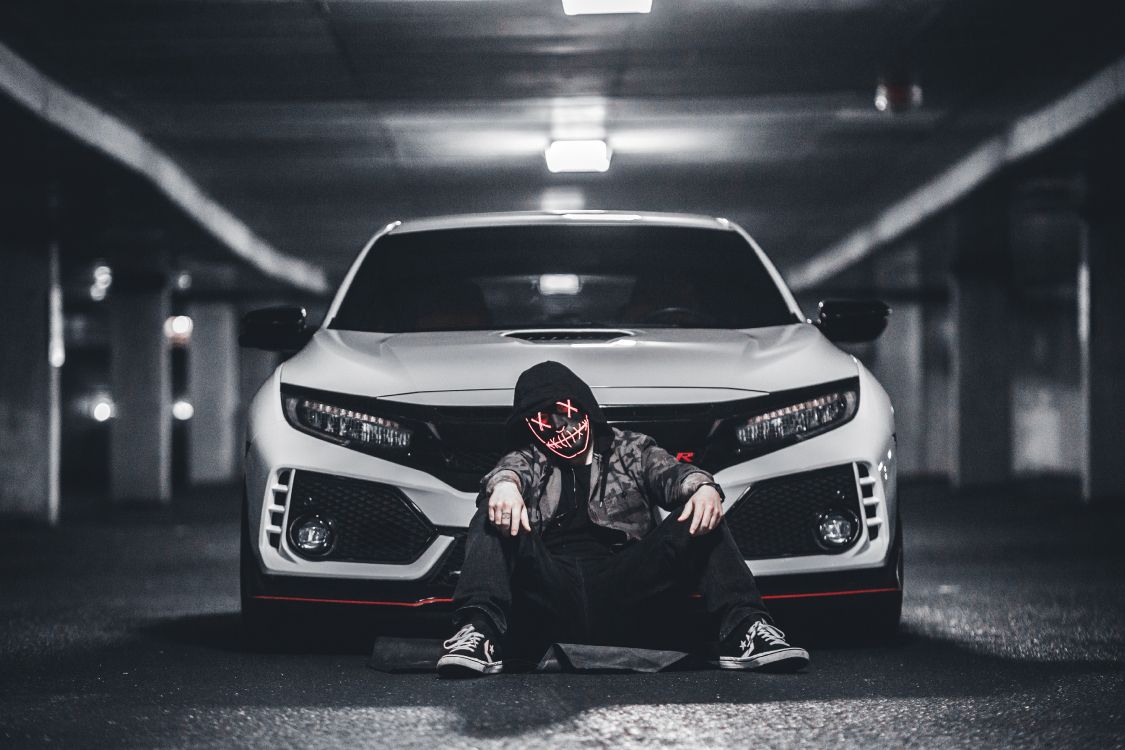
x=437 y=595
x=275 y=450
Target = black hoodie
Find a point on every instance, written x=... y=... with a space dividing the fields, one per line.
x=539 y=387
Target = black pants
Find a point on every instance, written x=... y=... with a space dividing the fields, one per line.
x=625 y=599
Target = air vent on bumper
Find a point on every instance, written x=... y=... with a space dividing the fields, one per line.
x=553 y=336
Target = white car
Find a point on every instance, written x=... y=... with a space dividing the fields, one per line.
x=365 y=448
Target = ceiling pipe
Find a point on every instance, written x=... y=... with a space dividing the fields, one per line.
x=56 y=105
x=1028 y=135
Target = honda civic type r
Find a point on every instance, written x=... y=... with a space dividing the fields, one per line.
x=365 y=449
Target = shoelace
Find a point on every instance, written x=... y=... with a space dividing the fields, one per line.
x=465 y=639
x=769 y=634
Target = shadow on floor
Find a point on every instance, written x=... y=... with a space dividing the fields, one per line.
x=912 y=665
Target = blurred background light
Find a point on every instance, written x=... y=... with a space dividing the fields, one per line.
x=562 y=199
x=178 y=329
x=587 y=7
x=897 y=94
x=183 y=410
x=578 y=156
x=101 y=409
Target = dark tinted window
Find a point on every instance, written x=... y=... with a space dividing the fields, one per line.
x=561 y=276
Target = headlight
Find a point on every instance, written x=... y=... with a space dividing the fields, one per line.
x=799 y=420
x=345 y=426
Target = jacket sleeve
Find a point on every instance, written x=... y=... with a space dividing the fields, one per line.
x=514 y=467
x=668 y=482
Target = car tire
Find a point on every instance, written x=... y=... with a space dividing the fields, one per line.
x=265 y=626
x=880 y=618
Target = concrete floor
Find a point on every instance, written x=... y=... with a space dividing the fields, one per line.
x=124 y=632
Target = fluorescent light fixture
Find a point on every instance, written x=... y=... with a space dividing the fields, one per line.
x=578 y=156
x=559 y=283
x=588 y=7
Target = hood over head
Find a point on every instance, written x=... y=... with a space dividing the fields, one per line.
x=539 y=387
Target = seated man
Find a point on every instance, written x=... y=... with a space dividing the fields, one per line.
x=568 y=533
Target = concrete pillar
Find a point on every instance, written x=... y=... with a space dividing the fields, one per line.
x=1101 y=323
x=31 y=311
x=213 y=385
x=981 y=370
x=938 y=424
x=141 y=374
x=1046 y=392
x=897 y=363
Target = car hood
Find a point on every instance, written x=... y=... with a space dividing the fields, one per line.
x=650 y=366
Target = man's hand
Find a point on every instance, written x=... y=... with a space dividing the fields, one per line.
x=705 y=508
x=506 y=509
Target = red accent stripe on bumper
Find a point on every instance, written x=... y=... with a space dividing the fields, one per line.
x=445 y=600
x=830 y=593
x=419 y=603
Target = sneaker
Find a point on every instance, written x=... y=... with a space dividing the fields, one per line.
x=762 y=646
x=471 y=651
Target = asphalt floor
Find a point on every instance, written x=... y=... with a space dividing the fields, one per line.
x=120 y=628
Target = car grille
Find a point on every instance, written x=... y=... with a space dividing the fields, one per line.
x=373 y=522
x=777 y=517
x=474 y=462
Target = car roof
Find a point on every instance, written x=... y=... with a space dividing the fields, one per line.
x=531 y=218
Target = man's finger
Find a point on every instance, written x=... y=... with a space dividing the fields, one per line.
x=705 y=519
x=513 y=521
x=524 y=520
x=687 y=511
x=696 y=517
x=491 y=512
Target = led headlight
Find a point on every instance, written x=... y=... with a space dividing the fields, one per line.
x=346 y=426
x=799 y=420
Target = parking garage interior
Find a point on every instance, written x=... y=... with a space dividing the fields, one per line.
x=170 y=166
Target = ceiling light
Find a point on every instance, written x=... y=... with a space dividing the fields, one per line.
x=586 y=7
x=578 y=156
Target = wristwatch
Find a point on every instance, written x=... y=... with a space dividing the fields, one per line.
x=722 y=495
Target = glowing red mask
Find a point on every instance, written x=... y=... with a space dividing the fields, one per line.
x=564 y=430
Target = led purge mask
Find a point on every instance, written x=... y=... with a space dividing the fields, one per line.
x=565 y=430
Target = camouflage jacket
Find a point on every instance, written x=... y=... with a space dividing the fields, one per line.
x=641 y=475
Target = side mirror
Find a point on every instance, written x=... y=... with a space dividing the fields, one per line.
x=852 y=321
x=275 y=329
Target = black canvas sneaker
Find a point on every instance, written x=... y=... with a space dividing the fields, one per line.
x=761 y=646
x=471 y=651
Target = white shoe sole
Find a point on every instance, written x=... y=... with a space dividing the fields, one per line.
x=457 y=665
x=783 y=660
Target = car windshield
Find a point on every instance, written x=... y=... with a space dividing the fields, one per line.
x=549 y=276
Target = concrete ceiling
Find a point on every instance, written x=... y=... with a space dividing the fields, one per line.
x=317 y=122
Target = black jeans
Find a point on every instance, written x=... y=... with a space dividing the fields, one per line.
x=621 y=600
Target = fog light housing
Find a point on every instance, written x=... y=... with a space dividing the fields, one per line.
x=312 y=536
x=837 y=529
